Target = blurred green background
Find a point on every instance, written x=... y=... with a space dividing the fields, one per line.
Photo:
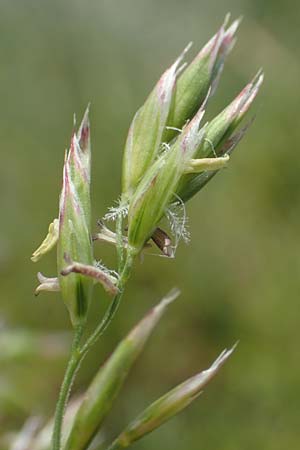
x=240 y=274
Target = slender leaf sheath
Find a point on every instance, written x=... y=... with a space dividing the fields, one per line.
x=105 y=386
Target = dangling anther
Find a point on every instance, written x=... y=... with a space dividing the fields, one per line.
x=163 y=242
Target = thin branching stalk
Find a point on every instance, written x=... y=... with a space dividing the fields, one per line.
x=78 y=353
x=112 y=309
x=65 y=389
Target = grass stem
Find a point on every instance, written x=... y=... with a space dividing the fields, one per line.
x=65 y=389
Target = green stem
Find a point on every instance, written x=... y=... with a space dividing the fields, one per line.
x=65 y=389
x=111 y=311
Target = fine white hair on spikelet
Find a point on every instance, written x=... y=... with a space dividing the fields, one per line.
x=178 y=220
x=121 y=209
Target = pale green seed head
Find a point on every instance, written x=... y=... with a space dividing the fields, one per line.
x=157 y=168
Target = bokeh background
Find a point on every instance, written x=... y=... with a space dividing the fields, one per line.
x=240 y=274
